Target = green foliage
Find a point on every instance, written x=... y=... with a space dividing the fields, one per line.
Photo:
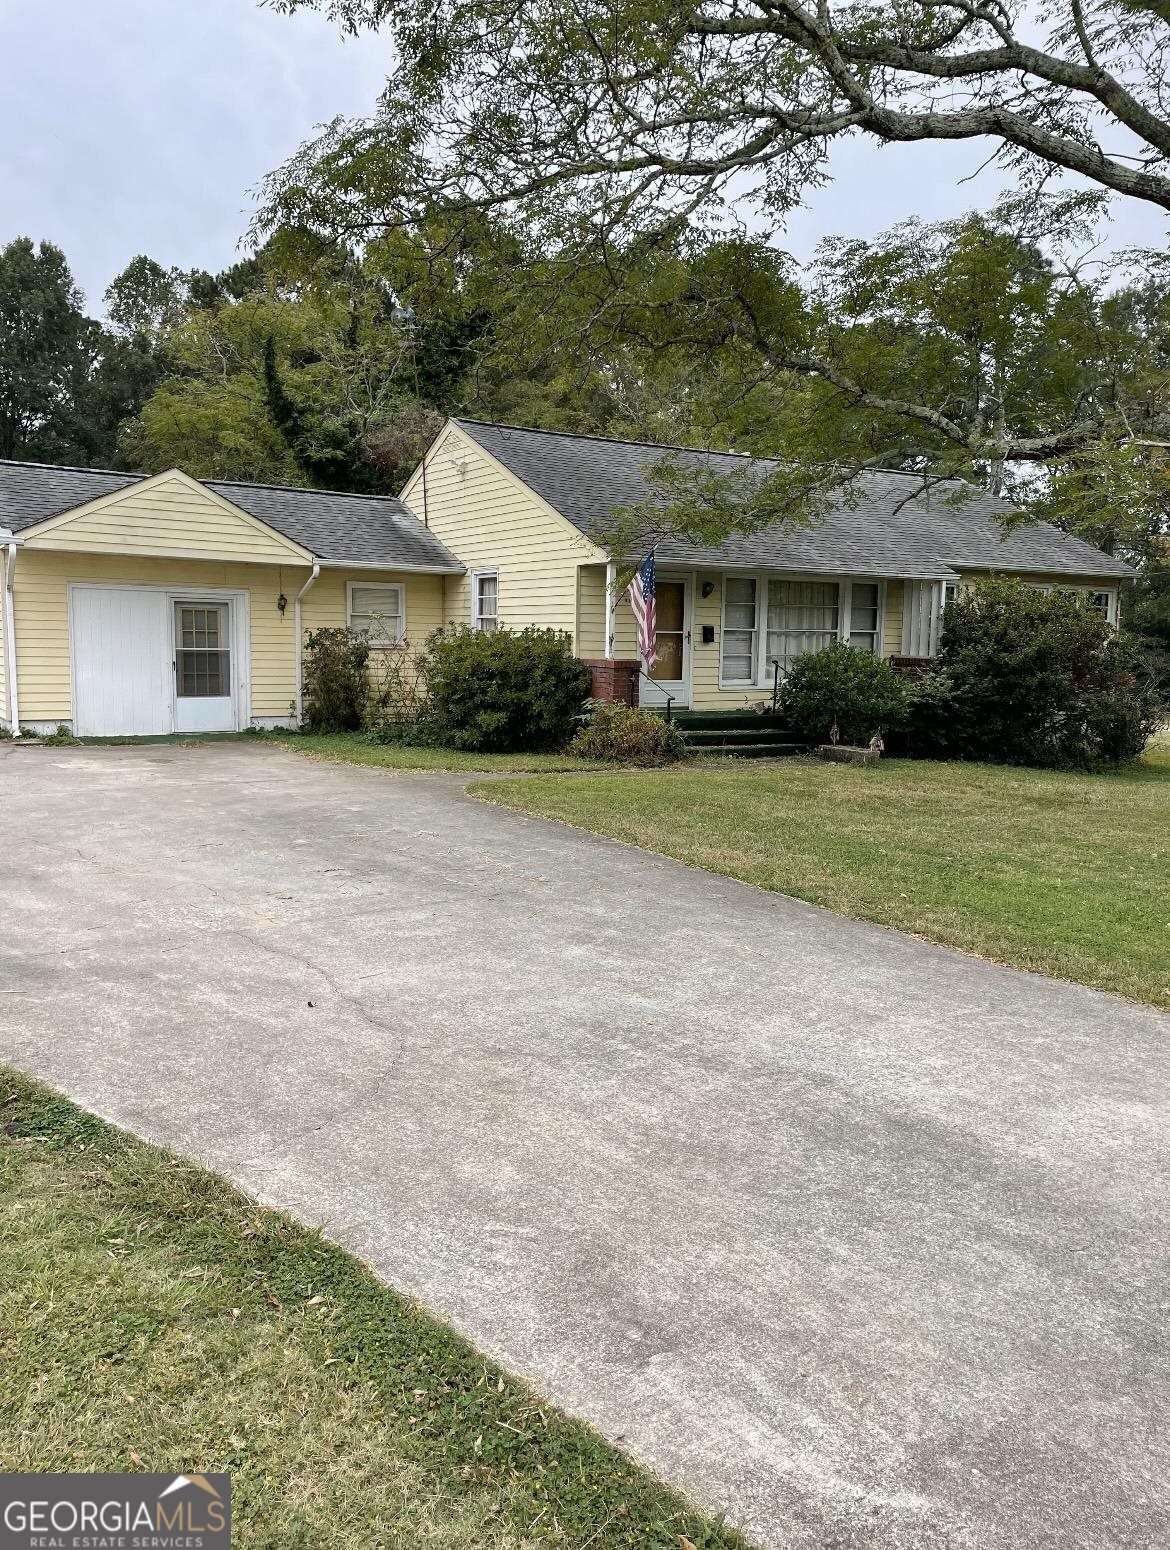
x=1033 y=678
x=336 y=687
x=66 y=383
x=47 y=347
x=504 y=692
x=619 y=734
x=842 y=695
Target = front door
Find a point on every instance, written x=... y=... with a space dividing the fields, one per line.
x=672 y=644
x=204 y=677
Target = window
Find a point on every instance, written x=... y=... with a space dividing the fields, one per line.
x=202 y=657
x=485 y=601
x=1097 y=598
x=864 y=613
x=738 y=650
x=802 y=616
x=378 y=611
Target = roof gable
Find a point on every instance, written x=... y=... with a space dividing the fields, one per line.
x=169 y=514
x=41 y=500
x=886 y=524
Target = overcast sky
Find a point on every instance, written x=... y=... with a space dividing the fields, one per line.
x=144 y=126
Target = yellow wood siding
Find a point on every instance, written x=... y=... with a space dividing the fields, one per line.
x=892 y=622
x=168 y=516
x=492 y=522
x=325 y=606
x=591 y=611
x=42 y=617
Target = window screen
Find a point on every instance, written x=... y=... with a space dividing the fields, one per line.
x=487 y=607
x=863 y=616
x=738 y=661
x=379 y=612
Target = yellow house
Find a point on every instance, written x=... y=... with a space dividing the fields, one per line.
x=525 y=511
x=137 y=606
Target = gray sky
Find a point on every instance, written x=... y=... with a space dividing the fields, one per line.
x=144 y=126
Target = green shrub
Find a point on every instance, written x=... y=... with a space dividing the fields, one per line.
x=619 y=734
x=503 y=692
x=335 y=686
x=842 y=694
x=1033 y=678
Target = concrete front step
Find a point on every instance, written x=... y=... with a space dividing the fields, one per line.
x=706 y=735
x=749 y=750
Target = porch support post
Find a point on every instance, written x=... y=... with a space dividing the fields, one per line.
x=610 y=605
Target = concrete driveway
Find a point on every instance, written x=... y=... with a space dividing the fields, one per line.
x=859 y=1240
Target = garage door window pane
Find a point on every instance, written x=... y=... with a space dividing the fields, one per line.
x=202 y=662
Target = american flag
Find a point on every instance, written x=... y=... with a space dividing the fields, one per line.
x=641 y=595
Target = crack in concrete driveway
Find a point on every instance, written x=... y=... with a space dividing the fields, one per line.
x=858 y=1240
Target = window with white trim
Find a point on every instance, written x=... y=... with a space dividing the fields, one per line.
x=737 y=661
x=485 y=601
x=803 y=616
x=865 y=616
x=378 y=611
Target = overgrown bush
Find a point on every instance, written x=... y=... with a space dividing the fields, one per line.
x=619 y=734
x=1032 y=678
x=842 y=695
x=503 y=692
x=335 y=686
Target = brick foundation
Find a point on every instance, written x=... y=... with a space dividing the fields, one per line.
x=613 y=680
x=911 y=667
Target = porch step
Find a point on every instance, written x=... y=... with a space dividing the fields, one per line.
x=737 y=734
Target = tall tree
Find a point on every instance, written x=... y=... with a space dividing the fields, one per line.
x=649 y=105
x=46 y=345
x=611 y=131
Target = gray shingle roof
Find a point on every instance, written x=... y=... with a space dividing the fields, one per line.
x=338 y=529
x=886 y=526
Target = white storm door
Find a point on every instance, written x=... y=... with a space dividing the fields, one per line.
x=121 y=640
x=205 y=699
x=672 y=645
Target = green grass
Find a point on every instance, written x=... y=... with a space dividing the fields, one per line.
x=352 y=748
x=151 y=1317
x=1066 y=874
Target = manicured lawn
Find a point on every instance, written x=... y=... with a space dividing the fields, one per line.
x=1065 y=874
x=153 y=1318
x=349 y=748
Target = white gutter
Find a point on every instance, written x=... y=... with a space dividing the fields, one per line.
x=610 y=605
x=386 y=565
x=297 y=645
x=10 y=631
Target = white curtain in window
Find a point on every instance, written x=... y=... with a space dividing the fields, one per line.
x=739 y=630
x=802 y=616
x=487 y=592
x=379 y=613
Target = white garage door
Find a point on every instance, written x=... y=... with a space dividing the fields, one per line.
x=122 y=665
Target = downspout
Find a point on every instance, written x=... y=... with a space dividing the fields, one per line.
x=300 y=698
x=10 y=631
x=610 y=605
